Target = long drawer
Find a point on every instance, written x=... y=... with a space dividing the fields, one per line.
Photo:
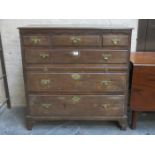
x=74 y=56
x=73 y=105
x=76 y=82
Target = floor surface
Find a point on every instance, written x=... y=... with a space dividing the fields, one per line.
x=12 y=122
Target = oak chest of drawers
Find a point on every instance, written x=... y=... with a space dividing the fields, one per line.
x=75 y=73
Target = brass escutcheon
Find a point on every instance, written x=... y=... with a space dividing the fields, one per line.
x=105 y=106
x=35 y=40
x=44 y=55
x=75 y=39
x=106 y=56
x=46 y=106
x=115 y=41
x=45 y=82
x=105 y=82
x=76 y=76
x=76 y=98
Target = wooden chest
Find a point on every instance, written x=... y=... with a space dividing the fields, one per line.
x=143 y=84
x=76 y=73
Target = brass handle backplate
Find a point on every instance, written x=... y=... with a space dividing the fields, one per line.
x=115 y=41
x=75 y=39
x=106 y=56
x=76 y=99
x=44 y=55
x=46 y=106
x=35 y=40
x=105 y=106
x=76 y=76
x=105 y=82
x=45 y=82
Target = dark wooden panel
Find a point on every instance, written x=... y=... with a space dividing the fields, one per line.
x=146 y=35
x=143 y=88
x=73 y=105
x=150 y=37
x=142 y=31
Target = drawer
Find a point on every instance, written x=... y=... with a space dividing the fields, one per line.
x=76 y=40
x=76 y=82
x=73 y=105
x=143 y=92
x=116 y=40
x=36 y=40
x=73 y=56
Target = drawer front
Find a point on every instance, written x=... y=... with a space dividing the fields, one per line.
x=76 y=82
x=36 y=40
x=81 y=105
x=143 y=92
x=38 y=55
x=77 y=40
x=116 y=40
x=73 y=56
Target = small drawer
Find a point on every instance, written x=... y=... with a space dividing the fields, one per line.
x=75 y=56
x=76 y=40
x=116 y=40
x=36 y=40
x=76 y=105
x=76 y=82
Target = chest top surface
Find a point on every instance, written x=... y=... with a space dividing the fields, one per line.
x=143 y=58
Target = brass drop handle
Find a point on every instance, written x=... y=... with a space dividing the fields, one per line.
x=115 y=41
x=45 y=82
x=75 y=53
x=76 y=76
x=46 y=106
x=76 y=99
x=75 y=39
x=105 y=82
x=44 y=55
x=35 y=40
x=105 y=106
x=106 y=56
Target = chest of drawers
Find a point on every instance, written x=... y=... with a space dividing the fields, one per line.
x=75 y=73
